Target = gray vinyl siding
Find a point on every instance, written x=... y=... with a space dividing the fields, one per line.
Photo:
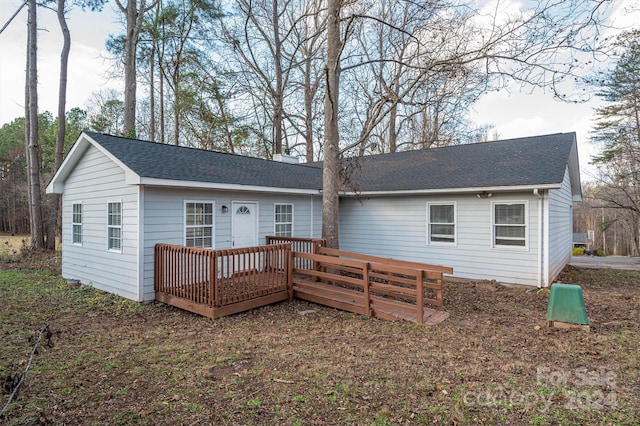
x=164 y=219
x=94 y=182
x=397 y=227
x=560 y=227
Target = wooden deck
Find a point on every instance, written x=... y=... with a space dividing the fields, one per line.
x=216 y=283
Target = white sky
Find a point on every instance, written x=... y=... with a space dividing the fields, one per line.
x=87 y=68
x=513 y=114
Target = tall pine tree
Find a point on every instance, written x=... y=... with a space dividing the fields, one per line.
x=617 y=128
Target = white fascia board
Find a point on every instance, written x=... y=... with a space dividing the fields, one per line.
x=574 y=172
x=56 y=186
x=223 y=186
x=459 y=190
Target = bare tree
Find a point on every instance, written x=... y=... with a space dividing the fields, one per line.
x=265 y=38
x=52 y=221
x=31 y=131
x=331 y=163
x=134 y=12
x=541 y=47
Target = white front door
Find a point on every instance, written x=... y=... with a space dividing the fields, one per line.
x=244 y=224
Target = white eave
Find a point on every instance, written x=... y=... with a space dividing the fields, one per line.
x=479 y=189
x=146 y=181
x=574 y=172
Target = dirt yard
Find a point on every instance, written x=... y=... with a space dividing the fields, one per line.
x=106 y=360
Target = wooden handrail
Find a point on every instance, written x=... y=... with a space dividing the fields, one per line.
x=386 y=260
x=393 y=279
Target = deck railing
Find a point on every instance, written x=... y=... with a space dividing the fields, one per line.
x=300 y=245
x=432 y=275
x=216 y=278
x=380 y=282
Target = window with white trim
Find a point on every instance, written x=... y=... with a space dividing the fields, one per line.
x=283 y=214
x=198 y=224
x=114 y=226
x=76 y=223
x=510 y=224
x=442 y=223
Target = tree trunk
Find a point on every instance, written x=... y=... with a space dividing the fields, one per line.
x=134 y=16
x=161 y=100
x=33 y=149
x=393 y=136
x=177 y=105
x=308 y=110
x=331 y=164
x=130 y=84
x=278 y=101
x=152 y=97
x=54 y=221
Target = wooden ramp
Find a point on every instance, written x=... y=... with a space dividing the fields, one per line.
x=353 y=300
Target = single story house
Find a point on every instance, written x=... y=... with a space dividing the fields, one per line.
x=495 y=210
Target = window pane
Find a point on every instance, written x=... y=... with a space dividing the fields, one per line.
x=503 y=242
x=442 y=226
x=115 y=214
x=441 y=214
x=115 y=238
x=199 y=225
x=77 y=234
x=510 y=228
x=284 y=220
x=283 y=230
x=442 y=230
x=509 y=214
x=510 y=231
x=77 y=213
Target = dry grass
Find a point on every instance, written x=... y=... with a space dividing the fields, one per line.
x=11 y=246
x=493 y=361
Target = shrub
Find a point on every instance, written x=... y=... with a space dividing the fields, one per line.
x=601 y=253
x=578 y=251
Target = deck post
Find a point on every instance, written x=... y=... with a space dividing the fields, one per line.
x=288 y=263
x=367 y=297
x=156 y=268
x=315 y=265
x=419 y=296
x=213 y=278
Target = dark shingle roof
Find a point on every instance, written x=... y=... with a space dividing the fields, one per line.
x=537 y=160
x=161 y=161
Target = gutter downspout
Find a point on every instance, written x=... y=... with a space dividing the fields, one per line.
x=540 y=242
